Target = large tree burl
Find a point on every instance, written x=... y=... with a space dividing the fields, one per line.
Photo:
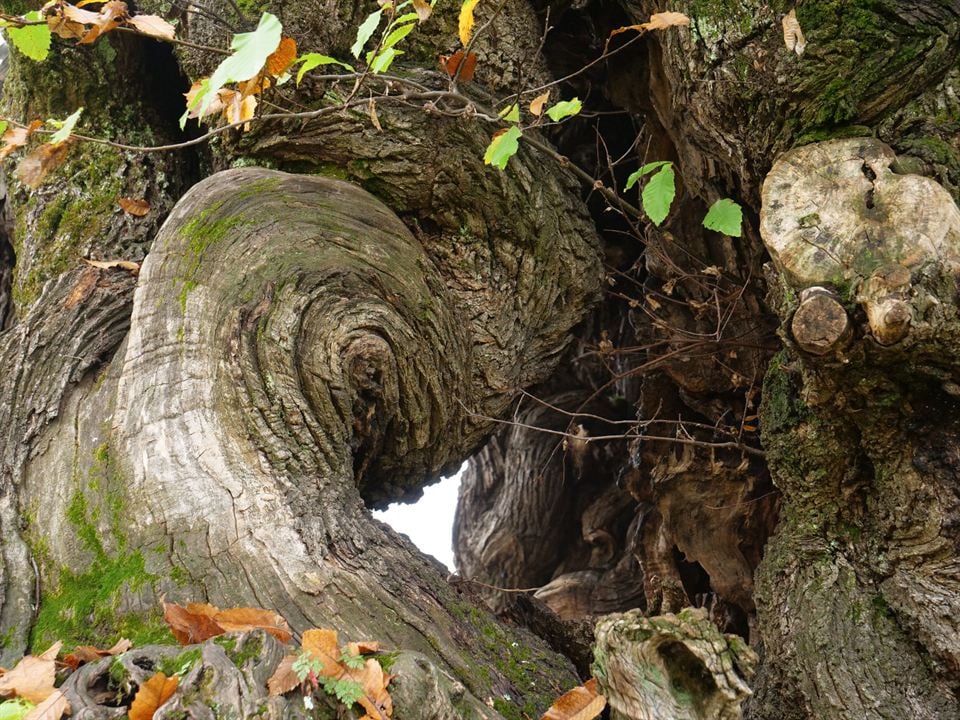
x=837 y=214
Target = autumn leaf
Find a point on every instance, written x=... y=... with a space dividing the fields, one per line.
x=16 y=137
x=536 y=105
x=452 y=63
x=282 y=57
x=581 y=703
x=151 y=695
x=237 y=107
x=372 y=112
x=284 y=678
x=792 y=33
x=34 y=168
x=190 y=626
x=134 y=268
x=62 y=27
x=33 y=677
x=664 y=20
x=323 y=646
x=53 y=708
x=135 y=207
x=376 y=699
x=244 y=619
x=109 y=18
x=87 y=653
x=466 y=21
x=423 y=10
x=152 y=26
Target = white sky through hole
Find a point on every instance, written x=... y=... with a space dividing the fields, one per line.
x=429 y=521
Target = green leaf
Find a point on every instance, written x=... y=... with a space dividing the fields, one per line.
x=658 y=194
x=354 y=662
x=511 y=113
x=637 y=174
x=313 y=60
x=564 y=109
x=3 y=127
x=15 y=709
x=398 y=34
x=347 y=691
x=32 y=40
x=725 y=216
x=250 y=53
x=503 y=147
x=66 y=127
x=406 y=17
x=365 y=31
x=381 y=63
x=304 y=664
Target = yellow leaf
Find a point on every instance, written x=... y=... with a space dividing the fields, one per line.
x=466 y=20
x=792 y=33
x=151 y=695
x=536 y=105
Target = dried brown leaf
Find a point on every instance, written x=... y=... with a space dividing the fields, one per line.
x=134 y=268
x=284 y=679
x=190 y=624
x=581 y=703
x=536 y=105
x=423 y=9
x=664 y=20
x=31 y=679
x=451 y=63
x=239 y=108
x=53 y=708
x=151 y=695
x=109 y=18
x=16 y=137
x=134 y=206
x=793 y=34
x=34 y=168
x=62 y=27
x=372 y=112
x=282 y=57
x=322 y=645
x=376 y=700
x=252 y=619
x=153 y=26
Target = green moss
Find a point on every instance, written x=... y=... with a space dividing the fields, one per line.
x=181 y=664
x=781 y=407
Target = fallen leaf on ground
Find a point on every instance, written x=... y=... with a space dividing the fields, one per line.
x=254 y=618
x=53 y=708
x=32 y=678
x=200 y=621
x=87 y=653
x=151 y=695
x=322 y=645
x=581 y=703
x=284 y=679
x=190 y=626
x=376 y=700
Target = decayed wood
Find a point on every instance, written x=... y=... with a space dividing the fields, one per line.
x=820 y=325
x=671 y=666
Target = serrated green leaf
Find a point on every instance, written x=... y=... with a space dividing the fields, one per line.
x=503 y=147
x=15 y=709
x=354 y=662
x=398 y=33
x=381 y=63
x=725 y=216
x=564 y=109
x=250 y=53
x=66 y=127
x=32 y=40
x=637 y=174
x=511 y=113
x=365 y=32
x=348 y=691
x=658 y=194
x=314 y=60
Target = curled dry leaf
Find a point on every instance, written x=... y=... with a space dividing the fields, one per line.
x=109 y=18
x=536 y=105
x=17 y=137
x=34 y=168
x=374 y=118
x=423 y=10
x=451 y=63
x=657 y=21
x=282 y=57
x=151 y=695
x=127 y=265
x=284 y=679
x=242 y=619
x=190 y=626
x=199 y=621
x=152 y=26
x=87 y=653
x=792 y=33
x=53 y=708
x=133 y=206
x=375 y=700
x=581 y=703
